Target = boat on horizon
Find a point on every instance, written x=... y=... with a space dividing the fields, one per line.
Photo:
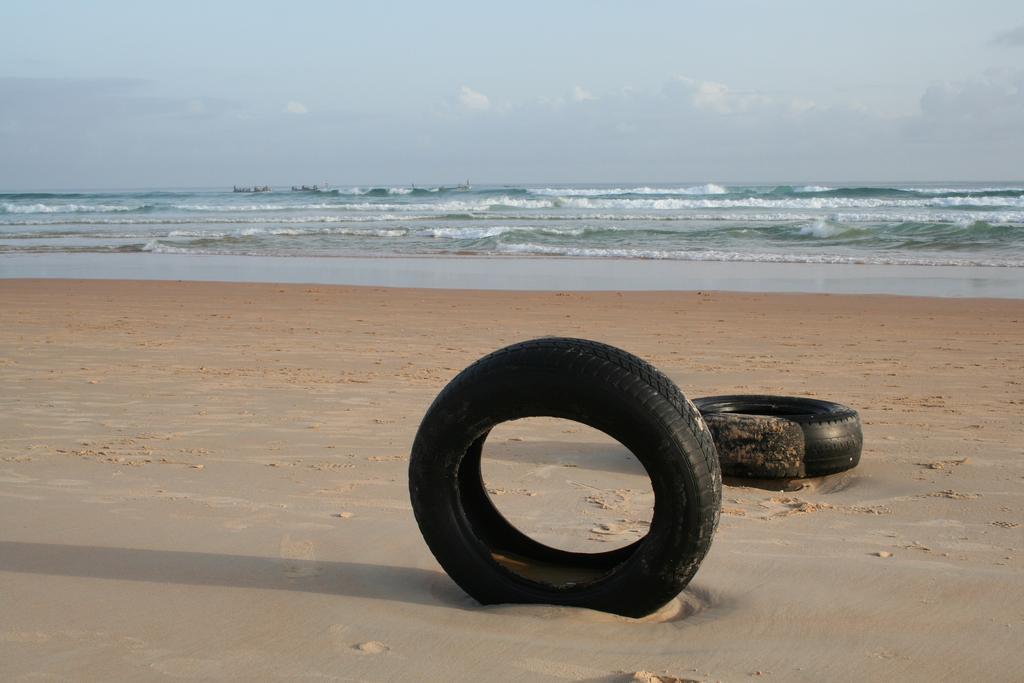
x=254 y=188
x=464 y=187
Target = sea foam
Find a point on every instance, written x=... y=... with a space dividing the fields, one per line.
x=814 y=223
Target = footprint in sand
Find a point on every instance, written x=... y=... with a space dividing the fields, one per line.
x=648 y=677
x=305 y=551
x=371 y=647
x=606 y=531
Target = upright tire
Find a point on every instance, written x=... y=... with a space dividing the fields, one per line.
x=599 y=386
x=832 y=436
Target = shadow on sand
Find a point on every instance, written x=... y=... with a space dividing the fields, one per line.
x=381 y=582
x=610 y=457
x=831 y=483
x=371 y=581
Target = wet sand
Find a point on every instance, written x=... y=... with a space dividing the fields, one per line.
x=208 y=480
x=531 y=273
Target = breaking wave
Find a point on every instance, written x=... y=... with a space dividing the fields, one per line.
x=9 y=207
x=921 y=224
x=752 y=257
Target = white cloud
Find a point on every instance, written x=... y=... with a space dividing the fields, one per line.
x=711 y=95
x=471 y=99
x=294 y=107
x=719 y=97
x=685 y=128
x=581 y=95
x=800 y=105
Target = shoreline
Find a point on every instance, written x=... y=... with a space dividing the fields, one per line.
x=530 y=274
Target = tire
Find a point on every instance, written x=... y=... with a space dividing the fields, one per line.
x=832 y=436
x=757 y=446
x=599 y=386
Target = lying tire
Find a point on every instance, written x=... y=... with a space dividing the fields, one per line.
x=599 y=386
x=757 y=446
x=753 y=439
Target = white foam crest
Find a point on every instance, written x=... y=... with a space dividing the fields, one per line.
x=156 y=247
x=168 y=249
x=457 y=206
x=433 y=207
x=963 y=190
x=70 y=236
x=468 y=232
x=206 y=220
x=254 y=207
x=471 y=232
x=707 y=189
x=822 y=228
x=260 y=232
x=784 y=216
x=347 y=219
x=977 y=201
x=818 y=203
x=813 y=188
x=8 y=207
x=715 y=255
x=958 y=217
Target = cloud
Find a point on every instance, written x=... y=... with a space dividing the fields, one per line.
x=581 y=95
x=115 y=132
x=471 y=99
x=719 y=97
x=983 y=109
x=687 y=128
x=294 y=107
x=1015 y=37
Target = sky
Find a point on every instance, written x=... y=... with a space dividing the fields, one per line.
x=111 y=94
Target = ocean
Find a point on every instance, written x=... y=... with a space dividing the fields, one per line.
x=949 y=224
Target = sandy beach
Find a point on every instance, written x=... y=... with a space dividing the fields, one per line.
x=208 y=480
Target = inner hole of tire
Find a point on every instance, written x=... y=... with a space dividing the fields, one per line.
x=568 y=486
